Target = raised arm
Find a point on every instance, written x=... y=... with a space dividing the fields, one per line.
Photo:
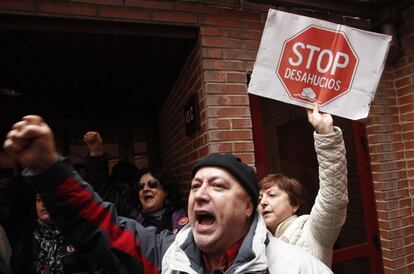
x=118 y=244
x=329 y=211
x=31 y=142
x=97 y=168
x=93 y=141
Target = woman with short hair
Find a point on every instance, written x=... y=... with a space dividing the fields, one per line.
x=282 y=199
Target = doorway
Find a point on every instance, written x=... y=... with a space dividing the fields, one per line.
x=86 y=75
x=82 y=75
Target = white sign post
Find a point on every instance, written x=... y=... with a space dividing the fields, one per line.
x=302 y=60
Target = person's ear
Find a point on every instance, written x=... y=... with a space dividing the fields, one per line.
x=295 y=209
x=249 y=208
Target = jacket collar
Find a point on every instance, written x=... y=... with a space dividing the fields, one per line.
x=184 y=255
x=281 y=228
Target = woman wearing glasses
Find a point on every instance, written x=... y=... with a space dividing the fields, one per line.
x=159 y=201
x=159 y=204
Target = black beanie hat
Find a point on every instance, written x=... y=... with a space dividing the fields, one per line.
x=244 y=174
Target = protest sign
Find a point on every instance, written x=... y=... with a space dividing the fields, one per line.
x=302 y=60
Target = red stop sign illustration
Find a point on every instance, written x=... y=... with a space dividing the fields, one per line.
x=317 y=64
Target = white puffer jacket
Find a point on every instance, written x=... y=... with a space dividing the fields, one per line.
x=317 y=232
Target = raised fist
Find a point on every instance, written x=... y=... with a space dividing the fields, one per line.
x=321 y=122
x=94 y=142
x=31 y=142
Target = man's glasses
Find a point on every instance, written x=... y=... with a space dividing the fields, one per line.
x=151 y=184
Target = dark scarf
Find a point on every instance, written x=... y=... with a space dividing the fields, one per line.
x=160 y=219
x=52 y=248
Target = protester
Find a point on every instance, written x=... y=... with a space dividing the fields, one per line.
x=226 y=232
x=116 y=188
x=52 y=253
x=160 y=202
x=282 y=198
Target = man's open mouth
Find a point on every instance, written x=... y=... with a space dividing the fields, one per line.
x=205 y=218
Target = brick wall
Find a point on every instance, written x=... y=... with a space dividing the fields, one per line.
x=390 y=130
x=229 y=43
x=179 y=151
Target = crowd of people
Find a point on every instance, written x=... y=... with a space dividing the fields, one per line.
x=133 y=221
